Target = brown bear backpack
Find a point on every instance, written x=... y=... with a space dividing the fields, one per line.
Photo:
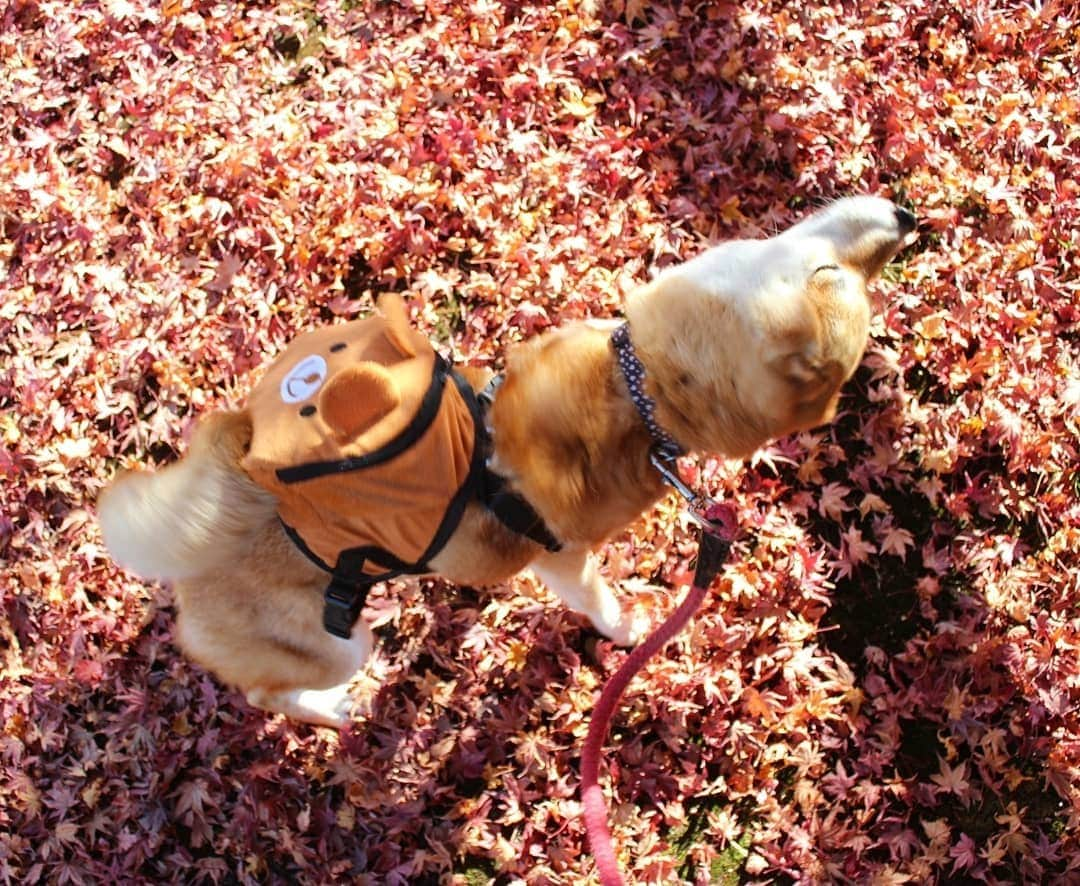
x=373 y=447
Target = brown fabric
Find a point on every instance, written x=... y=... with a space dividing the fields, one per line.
x=345 y=391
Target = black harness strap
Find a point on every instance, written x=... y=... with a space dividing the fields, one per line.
x=345 y=596
x=349 y=584
x=509 y=507
x=514 y=512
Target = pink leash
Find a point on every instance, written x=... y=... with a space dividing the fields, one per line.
x=717 y=530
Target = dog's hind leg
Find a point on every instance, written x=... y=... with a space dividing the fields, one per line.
x=279 y=656
x=326 y=705
x=574 y=577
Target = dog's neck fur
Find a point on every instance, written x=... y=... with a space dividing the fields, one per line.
x=569 y=438
x=568 y=434
x=690 y=362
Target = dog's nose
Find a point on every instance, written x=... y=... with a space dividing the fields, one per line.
x=906 y=220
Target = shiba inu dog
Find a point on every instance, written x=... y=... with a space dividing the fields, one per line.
x=748 y=341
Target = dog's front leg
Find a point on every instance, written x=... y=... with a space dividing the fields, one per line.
x=573 y=575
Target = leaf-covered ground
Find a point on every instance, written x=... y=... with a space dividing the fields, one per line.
x=885 y=689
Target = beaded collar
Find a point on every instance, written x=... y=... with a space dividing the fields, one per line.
x=634 y=373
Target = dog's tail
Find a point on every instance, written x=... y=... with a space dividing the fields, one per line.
x=193 y=516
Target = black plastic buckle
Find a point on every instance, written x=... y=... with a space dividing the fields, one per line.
x=342 y=602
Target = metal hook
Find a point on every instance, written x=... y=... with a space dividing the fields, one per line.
x=698 y=504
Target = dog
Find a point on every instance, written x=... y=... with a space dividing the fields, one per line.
x=748 y=341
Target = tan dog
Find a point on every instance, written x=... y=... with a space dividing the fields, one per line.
x=746 y=342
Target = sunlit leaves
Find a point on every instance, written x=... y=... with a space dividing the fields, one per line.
x=883 y=687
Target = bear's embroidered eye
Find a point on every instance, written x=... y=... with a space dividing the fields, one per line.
x=340 y=346
x=308 y=410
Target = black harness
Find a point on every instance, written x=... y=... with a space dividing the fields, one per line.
x=347 y=592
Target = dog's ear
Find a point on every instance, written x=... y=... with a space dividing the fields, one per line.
x=799 y=371
x=808 y=376
x=358 y=397
x=813 y=385
x=392 y=307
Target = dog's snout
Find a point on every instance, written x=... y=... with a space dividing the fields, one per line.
x=906 y=220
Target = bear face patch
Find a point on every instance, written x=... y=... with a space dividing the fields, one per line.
x=304 y=379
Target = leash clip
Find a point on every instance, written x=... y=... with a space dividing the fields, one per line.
x=698 y=505
x=718 y=522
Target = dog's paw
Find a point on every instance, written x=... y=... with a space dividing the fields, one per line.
x=624 y=624
x=331 y=707
x=633 y=626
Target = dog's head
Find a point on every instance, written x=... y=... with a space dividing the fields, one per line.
x=753 y=338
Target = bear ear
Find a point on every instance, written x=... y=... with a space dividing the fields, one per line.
x=357 y=398
x=392 y=307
